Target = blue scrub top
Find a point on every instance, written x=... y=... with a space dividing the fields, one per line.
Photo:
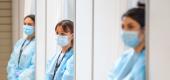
x=130 y=66
x=65 y=70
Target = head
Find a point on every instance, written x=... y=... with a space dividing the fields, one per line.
x=29 y=25
x=133 y=26
x=64 y=31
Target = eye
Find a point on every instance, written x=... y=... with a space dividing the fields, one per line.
x=62 y=34
x=130 y=27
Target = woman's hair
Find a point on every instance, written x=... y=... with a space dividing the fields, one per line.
x=137 y=14
x=31 y=16
x=67 y=25
x=140 y=5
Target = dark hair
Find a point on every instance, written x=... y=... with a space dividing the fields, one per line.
x=31 y=16
x=137 y=14
x=141 y=5
x=67 y=25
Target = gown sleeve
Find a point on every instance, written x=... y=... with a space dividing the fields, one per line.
x=12 y=65
x=113 y=74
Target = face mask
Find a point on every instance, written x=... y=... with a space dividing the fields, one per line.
x=28 y=30
x=62 y=40
x=130 y=38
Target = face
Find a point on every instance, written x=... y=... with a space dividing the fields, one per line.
x=29 y=21
x=59 y=31
x=129 y=24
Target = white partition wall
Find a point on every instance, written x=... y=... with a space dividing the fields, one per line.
x=84 y=48
x=29 y=7
x=107 y=42
x=159 y=46
x=53 y=10
x=40 y=38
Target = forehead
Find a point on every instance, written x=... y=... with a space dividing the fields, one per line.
x=28 y=20
x=128 y=20
x=59 y=29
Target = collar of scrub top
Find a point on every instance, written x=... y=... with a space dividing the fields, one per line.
x=22 y=48
x=59 y=62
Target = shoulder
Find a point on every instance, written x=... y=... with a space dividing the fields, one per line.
x=127 y=53
x=19 y=42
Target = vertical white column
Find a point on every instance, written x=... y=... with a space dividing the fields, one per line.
x=107 y=35
x=29 y=7
x=84 y=39
x=40 y=39
x=52 y=20
x=159 y=46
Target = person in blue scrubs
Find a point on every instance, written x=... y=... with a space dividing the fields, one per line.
x=61 y=66
x=21 y=65
x=131 y=64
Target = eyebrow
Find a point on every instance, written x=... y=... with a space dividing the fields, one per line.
x=130 y=24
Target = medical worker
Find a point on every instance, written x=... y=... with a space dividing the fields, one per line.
x=21 y=65
x=131 y=64
x=61 y=66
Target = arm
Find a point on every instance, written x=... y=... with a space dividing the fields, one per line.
x=11 y=68
x=113 y=74
x=12 y=65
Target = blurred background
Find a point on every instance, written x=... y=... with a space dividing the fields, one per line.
x=97 y=33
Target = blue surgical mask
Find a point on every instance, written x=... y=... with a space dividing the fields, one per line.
x=130 y=38
x=62 y=40
x=28 y=30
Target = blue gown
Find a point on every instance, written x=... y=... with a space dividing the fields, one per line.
x=26 y=67
x=65 y=70
x=130 y=66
